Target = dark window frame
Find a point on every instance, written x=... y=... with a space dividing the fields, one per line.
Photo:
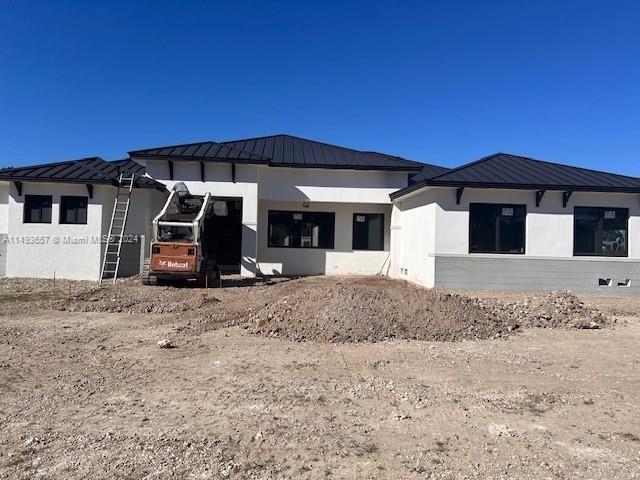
x=332 y=235
x=353 y=232
x=601 y=209
x=26 y=212
x=500 y=205
x=64 y=208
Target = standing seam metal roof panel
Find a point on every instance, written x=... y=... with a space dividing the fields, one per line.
x=503 y=170
x=91 y=170
x=283 y=150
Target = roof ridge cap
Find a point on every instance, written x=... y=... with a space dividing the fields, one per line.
x=171 y=146
x=466 y=165
x=321 y=143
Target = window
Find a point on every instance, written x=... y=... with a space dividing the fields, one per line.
x=301 y=229
x=600 y=231
x=37 y=209
x=368 y=231
x=73 y=210
x=496 y=228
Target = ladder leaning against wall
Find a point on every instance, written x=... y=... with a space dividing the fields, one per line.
x=113 y=248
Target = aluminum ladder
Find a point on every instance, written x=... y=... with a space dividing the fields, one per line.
x=111 y=259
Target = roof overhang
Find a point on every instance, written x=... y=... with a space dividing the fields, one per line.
x=509 y=186
x=242 y=161
x=405 y=169
x=180 y=158
x=151 y=185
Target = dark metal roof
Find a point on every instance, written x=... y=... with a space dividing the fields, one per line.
x=281 y=151
x=290 y=151
x=428 y=171
x=503 y=170
x=201 y=151
x=93 y=170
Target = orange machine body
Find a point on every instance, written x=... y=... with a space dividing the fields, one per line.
x=168 y=257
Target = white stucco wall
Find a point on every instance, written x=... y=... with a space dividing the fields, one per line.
x=268 y=185
x=72 y=252
x=414 y=225
x=44 y=249
x=340 y=260
x=329 y=185
x=549 y=228
x=4 y=207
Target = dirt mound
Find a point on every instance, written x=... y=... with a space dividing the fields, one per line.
x=154 y=300
x=374 y=310
x=381 y=309
x=328 y=309
x=559 y=309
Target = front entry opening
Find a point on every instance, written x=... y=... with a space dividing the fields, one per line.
x=223 y=233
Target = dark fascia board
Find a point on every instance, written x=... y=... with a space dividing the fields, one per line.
x=155 y=185
x=511 y=186
x=247 y=161
x=181 y=158
x=348 y=167
x=56 y=180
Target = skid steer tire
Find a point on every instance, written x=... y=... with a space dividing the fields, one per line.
x=147 y=277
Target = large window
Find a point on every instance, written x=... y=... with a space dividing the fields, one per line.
x=368 y=231
x=600 y=231
x=496 y=228
x=73 y=210
x=301 y=229
x=37 y=209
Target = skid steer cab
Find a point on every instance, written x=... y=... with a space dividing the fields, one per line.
x=177 y=251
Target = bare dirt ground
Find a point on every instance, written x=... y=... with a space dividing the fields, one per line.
x=87 y=393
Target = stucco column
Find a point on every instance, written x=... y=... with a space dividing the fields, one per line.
x=395 y=240
x=249 y=247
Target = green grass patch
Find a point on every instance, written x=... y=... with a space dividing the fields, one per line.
x=29 y=297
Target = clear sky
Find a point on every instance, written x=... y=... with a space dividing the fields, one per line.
x=441 y=82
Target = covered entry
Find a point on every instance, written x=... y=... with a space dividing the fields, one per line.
x=223 y=233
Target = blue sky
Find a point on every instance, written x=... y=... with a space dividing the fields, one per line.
x=440 y=82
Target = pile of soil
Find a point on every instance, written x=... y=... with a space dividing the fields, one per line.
x=375 y=309
x=325 y=309
x=381 y=309
x=559 y=309
x=128 y=299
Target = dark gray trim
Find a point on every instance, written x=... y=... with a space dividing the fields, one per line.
x=566 y=196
